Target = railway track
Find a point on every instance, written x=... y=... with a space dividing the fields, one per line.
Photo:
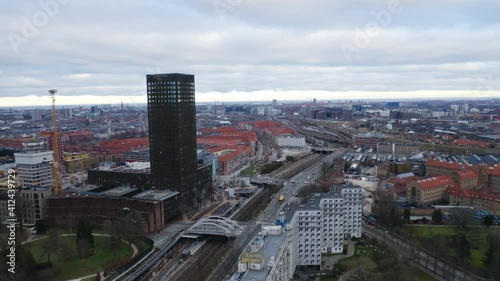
x=192 y=269
x=286 y=172
x=166 y=264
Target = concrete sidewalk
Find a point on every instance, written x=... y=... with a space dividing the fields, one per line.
x=330 y=261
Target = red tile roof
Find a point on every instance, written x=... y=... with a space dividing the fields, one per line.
x=218 y=130
x=474 y=194
x=470 y=142
x=492 y=170
x=119 y=146
x=239 y=151
x=447 y=165
x=433 y=182
x=217 y=141
x=457 y=191
x=467 y=174
x=280 y=131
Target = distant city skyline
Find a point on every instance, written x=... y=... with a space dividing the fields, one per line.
x=249 y=50
x=250 y=97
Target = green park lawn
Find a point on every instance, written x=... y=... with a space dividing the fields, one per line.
x=418 y=275
x=429 y=230
x=67 y=269
x=252 y=170
x=476 y=235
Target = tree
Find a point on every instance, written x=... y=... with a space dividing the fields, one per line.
x=41 y=226
x=84 y=240
x=128 y=227
x=492 y=259
x=462 y=219
x=23 y=208
x=52 y=243
x=406 y=215
x=384 y=205
x=395 y=218
x=437 y=216
x=463 y=249
x=488 y=220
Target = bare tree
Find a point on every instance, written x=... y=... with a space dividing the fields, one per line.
x=128 y=227
x=52 y=243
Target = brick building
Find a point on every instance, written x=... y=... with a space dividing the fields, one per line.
x=404 y=149
x=427 y=191
x=368 y=140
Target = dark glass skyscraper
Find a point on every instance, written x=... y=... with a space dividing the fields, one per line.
x=172 y=132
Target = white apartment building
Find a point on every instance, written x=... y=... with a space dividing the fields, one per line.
x=353 y=209
x=35 y=204
x=34 y=168
x=311 y=229
x=290 y=141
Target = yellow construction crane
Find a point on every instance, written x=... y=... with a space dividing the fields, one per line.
x=56 y=173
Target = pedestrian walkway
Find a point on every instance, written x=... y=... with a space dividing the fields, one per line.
x=330 y=261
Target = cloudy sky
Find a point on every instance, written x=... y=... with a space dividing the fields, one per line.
x=245 y=50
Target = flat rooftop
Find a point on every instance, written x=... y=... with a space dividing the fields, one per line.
x=131 y=167
x=272 y=244
x=118 y=191
x=158 y=195
x=84 y=188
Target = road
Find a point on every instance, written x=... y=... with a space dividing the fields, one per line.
x=292 y=186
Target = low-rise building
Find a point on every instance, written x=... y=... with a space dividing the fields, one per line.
x=437 y=167
x=400 y=149
x=368 y=140
x=231 y=159
x=68 y=209
x=290 y=141
x=493 y=174
x=479 y=199
x=428 y=190
x=137 y=155
x=466 y=179
x=79 y=162
x=34 y=204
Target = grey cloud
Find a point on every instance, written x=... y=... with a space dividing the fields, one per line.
x=106 y=48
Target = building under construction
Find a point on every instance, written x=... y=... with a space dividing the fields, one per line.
x=34 y=168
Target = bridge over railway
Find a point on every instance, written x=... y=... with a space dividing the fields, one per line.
x=323 y=150
x=213 y=225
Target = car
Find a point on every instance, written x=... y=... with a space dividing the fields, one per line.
x=294 y=181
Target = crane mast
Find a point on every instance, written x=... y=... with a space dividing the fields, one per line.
x=56 y=173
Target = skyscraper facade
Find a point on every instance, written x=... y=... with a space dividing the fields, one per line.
x=172 y=132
